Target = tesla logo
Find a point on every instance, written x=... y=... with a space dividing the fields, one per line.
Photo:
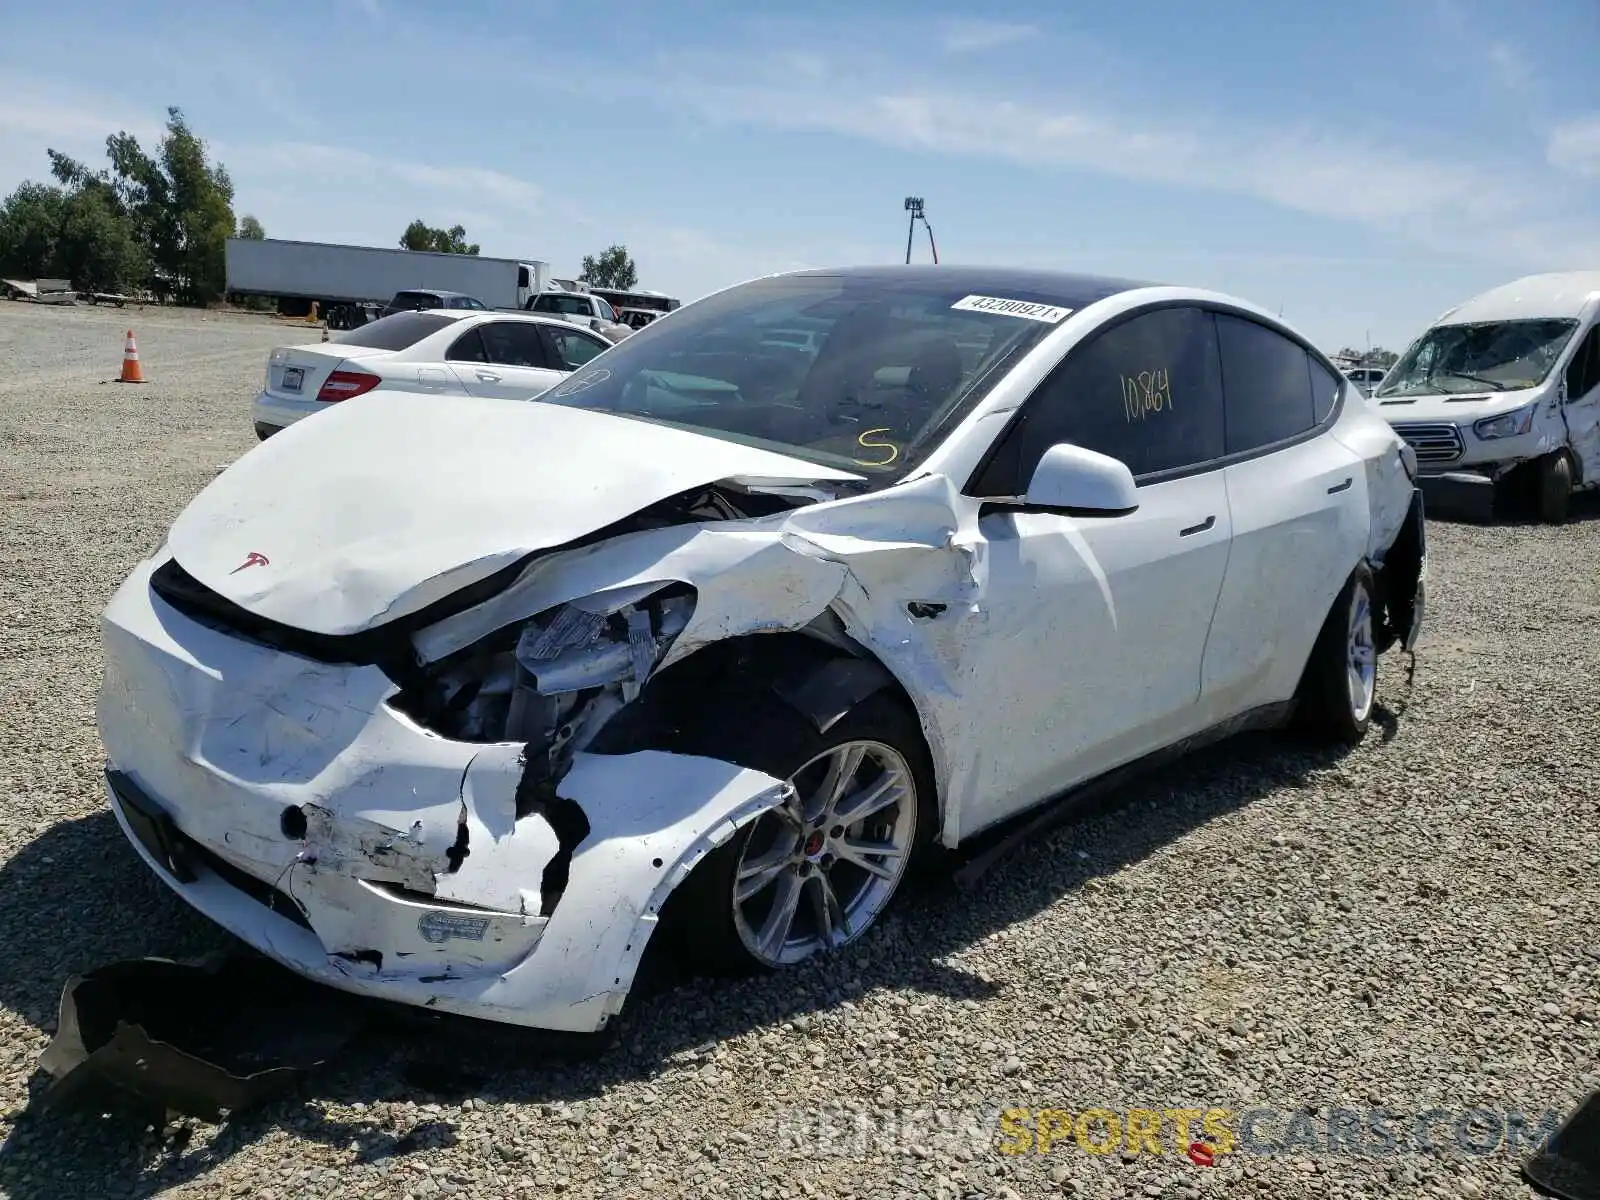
x=255 y=559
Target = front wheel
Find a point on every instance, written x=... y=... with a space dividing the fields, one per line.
x=1554 y=483
x=817 y=874
x=1340 y=687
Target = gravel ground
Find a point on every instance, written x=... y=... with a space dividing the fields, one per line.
x=1409 y=926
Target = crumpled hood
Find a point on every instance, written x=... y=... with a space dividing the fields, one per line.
x=387 y=503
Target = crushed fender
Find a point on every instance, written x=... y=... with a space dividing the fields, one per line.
x=201 y=1037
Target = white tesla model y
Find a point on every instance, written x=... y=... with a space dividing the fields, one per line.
x=726 y=630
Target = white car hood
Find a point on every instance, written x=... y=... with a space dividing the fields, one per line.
x=1462 y=409
x=389 y=502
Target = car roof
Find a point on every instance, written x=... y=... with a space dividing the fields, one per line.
x=427 y=291
x=1064 y=288
x=497 y=314
x=1554 y=294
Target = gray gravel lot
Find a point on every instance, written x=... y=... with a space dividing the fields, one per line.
x=1410 y=926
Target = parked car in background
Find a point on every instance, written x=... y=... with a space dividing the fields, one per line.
x=637 y=318
x=1365 y=378
x=583 y=308
x=718 y=637
x=1500 y=398
x=421 y=300
x=446 y=350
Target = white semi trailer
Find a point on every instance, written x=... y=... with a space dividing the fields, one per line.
x=340 y=280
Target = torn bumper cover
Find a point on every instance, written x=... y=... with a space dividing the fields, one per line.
x=201 y=1038
x=287 y=801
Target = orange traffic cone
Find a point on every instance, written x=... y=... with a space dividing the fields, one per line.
x=132 y=372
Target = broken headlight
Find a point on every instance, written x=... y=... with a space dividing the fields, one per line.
x=556 y=678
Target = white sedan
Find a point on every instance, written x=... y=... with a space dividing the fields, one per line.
x=719 y=636
x=482 y=353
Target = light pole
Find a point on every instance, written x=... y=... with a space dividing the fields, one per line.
x=914 y=206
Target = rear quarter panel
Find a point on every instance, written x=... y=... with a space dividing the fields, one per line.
x=1389 y=486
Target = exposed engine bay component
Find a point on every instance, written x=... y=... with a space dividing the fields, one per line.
x=552 y=682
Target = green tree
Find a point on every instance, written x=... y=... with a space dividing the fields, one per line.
x=419 y=235
x=97 y=248
x=613 y=269
x=250 y=228
x=177 y=206
x=30 y=228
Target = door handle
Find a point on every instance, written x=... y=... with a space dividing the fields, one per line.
x=1200 y=528
x=1341 y=487
x=488 y=376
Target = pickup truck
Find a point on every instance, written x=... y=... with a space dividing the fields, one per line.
x=581 y=308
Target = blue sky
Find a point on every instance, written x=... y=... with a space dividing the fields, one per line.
x=1362 y=167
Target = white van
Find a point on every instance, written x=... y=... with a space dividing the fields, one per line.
x=1501 y=397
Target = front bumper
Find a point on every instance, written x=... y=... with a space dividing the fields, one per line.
x=285 y=800
x=1462 y=493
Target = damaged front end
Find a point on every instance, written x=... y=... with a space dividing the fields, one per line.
x=552 y=682
x=448 y=843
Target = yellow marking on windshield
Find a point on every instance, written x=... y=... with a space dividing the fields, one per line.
x=894 y=451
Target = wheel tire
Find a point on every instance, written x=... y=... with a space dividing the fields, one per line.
x=1554 y=488
x=708 y=930
x=1335 y=706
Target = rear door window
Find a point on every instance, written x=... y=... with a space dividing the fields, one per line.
x=1266 y=383
x=513 y=344
x=400 y=331
x=1147 y=391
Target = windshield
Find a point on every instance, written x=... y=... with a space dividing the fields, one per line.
x=886 y=369
x=1502 y=356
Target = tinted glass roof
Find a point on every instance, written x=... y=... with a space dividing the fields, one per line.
x=1064 y=288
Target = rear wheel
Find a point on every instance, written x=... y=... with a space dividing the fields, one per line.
x=816 y=875
x=1340 y=687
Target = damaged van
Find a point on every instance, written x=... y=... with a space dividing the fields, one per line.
x=725 y=633
x=1500 y=399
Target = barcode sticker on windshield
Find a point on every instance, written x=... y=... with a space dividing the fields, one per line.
x=1048 y=313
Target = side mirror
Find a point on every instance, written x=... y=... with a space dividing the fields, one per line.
x=1073 y=480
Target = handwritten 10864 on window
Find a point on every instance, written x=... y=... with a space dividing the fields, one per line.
x=1146 y=393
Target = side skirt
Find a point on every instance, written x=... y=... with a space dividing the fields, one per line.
x=1053 y=813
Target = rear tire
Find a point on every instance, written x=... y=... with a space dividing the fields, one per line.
x=797 y=883
x=1339 y=689
x=1554 y=483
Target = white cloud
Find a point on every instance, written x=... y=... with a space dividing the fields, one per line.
x=1298 y=168
x=41 y=119
x=1574 y=147
x=482 y=183
x=961 y=37
x=1510 y=65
